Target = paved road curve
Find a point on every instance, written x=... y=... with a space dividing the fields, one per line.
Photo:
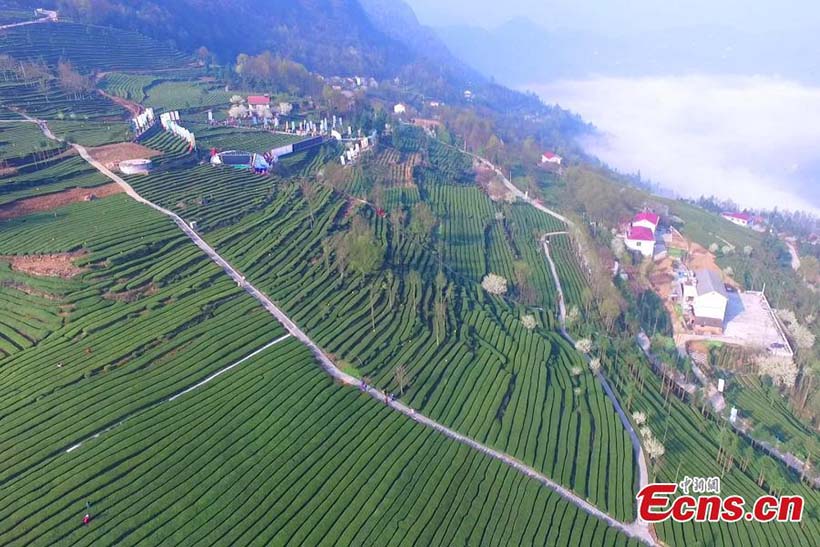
x=637 y=530
x=643 y=473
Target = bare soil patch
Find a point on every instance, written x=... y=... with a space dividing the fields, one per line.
x=50 y=265
x=410 y=166
x=489 y=181
x=699 y=257
x=23 y=288
x=111 y=154
x=133 y=295
x=662 y=277
x=27 y=206
x=133 y=108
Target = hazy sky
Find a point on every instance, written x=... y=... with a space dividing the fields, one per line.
x=624 y=15
x=749 y=139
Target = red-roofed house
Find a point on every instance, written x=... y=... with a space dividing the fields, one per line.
x=259 y=105
x=551 y=157
x=646 y=220
x=741 y=219
x=641 y=239
x=258 y=100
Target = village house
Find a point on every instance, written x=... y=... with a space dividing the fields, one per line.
x=551 y=157
x=741 y=219
x=640 y=234
x=646 y=220
x=259 y=105
x=399 y=109
x=641 y=239
x=709 y=305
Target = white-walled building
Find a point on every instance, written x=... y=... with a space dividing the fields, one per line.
x=399 y=109
x=551 y=157
x=646 y=220
x=710 y=303
x=641 y=239
x=741 y=219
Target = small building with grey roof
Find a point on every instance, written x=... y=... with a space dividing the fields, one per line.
x=709 y=305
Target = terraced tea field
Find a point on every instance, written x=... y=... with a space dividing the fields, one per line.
x=171 y=95
x=91 y=133
x=49 y=176
x=134 y=330
x=127 y=86
x=264 y=226
x=275 y=453
x=47 y=100
x=90 y=48
x=692 y=443
x=24 y=143
x=230 y=138
x=134 y=327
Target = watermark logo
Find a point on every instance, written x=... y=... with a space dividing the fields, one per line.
x=698 y=500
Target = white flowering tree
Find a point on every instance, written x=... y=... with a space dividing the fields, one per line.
x=529 y=322
x=654 y=448
x=595 y=365
x=802 y=336
x=787 y=316
x=713 y=248
x=237 y=99
x=782 y=370
x=584 y=345
x=575 y=371
x=494 y=284
x=238 y=111
x=264 y=112
x=573 y=315
x=639 y=417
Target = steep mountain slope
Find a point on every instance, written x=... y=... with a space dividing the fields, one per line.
x=397 y=20
x=328 y=36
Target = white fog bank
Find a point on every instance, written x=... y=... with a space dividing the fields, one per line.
x=754 y=140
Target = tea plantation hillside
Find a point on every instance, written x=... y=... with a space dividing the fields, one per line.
x=459 y=366
x=89 y=48
x=132 y=328
x=113 y=344
x=470 y=363
x=148 y=396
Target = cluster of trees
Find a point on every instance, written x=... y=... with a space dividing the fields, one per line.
x=602 y=292
x=593 y=194
x=354 y=249
x=276 y=73
x=73 y=82
x=30 y=71
x=37 y=71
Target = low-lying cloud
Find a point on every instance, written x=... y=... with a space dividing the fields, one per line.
x=755 y=140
